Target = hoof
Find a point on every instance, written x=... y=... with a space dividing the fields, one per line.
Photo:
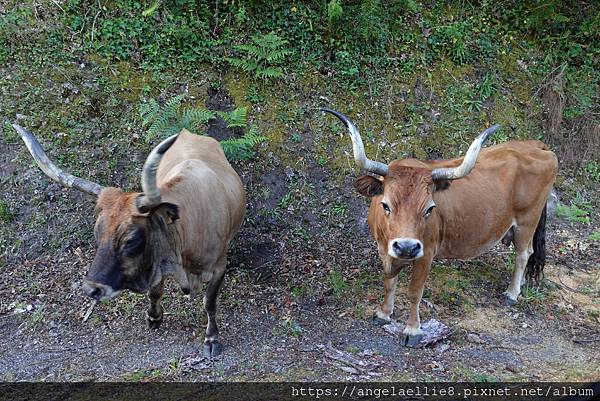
x=212 y=348
x=153 y=323
x=412 y=341
x=508 y=301
x=377 y=321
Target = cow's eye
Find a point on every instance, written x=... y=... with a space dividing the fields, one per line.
x=428 y=211
x=386 y=208
x=135 y=244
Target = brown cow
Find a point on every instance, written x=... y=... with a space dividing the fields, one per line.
x=192 y=204
x=416 y=215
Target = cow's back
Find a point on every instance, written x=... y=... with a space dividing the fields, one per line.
x=195 y=175
x=190 y=146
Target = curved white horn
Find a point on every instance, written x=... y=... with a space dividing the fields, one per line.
x=50 y=169
x=361 y=159
x=469 y=160
x=151 y=196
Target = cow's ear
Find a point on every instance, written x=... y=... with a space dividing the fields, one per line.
x=440 y=185
x=168 y=211
x=369 y=186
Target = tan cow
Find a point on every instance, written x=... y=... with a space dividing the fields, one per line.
x=417 y=213
x=192 y=204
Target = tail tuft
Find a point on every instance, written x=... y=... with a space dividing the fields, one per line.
x=537 y=260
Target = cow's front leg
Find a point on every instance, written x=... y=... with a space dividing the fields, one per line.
x=154 y=314
x=412 y=331
x=384 y=311
x=212 y=346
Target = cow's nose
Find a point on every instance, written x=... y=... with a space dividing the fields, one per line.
x=415 y=249
x=407 y=248
x=397 y=247
x=93 y=291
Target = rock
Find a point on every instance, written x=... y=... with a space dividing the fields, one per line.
x=474 y=338
x=441 y=348
x=434 y=331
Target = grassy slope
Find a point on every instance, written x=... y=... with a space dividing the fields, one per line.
x=410 y=97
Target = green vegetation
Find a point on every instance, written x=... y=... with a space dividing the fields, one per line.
x=577 y=212
x=573 y=213
x=262 y=57
x=592 y=169
x=301 y=291
x=5 y=213
x=169 y=119
x=451 y=67
x=287 y=327
x=241 y=148
x=338 y=284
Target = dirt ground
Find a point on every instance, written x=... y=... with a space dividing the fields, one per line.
x=296 y=305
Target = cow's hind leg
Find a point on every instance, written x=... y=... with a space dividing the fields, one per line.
x=212 y=346
x=523 y=250
x=154 y=314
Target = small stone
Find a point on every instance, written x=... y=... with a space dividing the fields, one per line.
x=474 y=338
x=442 y=347
x=513 y=368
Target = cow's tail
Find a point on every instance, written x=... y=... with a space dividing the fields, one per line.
x=537 y=260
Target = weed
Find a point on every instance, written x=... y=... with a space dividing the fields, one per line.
x=334 y=11
x=285 y=201
x=483 y=377
x=287 y=327
x=454 y=39
x=586 y=290
x=253 y=95
x=174 y=366
x=302 y=233
x=347 y=68
x=143 y=375
x=301 y=291
x=36 y=316
x=594 y=315
x=592 y=168
x=339 y=208
x=572 y=213
x=5 y=213
x=595 y=236
x=337 y=284
x=263 y=57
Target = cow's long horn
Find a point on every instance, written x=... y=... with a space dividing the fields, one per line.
x=361 y=159
x=469 y=160
x=151 y=195
x=50 y=168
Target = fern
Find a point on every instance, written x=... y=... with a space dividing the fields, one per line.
x=161 y=119
x=241 y=148
x=194 y=119
x=263 y=56
x=236 y=118
x=148 y=111
x=168 y=120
